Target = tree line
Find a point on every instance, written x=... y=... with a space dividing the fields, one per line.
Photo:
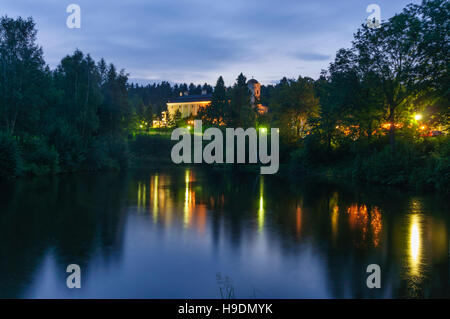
x=359 y=118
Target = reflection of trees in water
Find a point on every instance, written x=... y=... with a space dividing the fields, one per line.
x=72 y=217
x=79 y=217
x=349 y=229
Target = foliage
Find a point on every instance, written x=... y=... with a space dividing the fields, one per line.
x=10 y=159
x=39 y=158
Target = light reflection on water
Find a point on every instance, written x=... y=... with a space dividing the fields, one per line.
x=280 y=239
x=261 y=212
x=415 y=245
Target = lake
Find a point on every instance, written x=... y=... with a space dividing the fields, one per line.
x=198 y=233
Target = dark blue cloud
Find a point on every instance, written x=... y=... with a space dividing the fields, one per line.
x=198 y=40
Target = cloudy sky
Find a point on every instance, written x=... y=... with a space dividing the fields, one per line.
x=198 y=40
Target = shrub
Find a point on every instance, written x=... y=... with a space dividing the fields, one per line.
x=10 y=159
x=154 y=145
x=440 y=167
x=107 y=153
x=39 y=157
x=118 y=151
x=69 y=145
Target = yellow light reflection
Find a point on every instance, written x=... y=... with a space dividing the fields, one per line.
x=186 y=215
x=155 y=198
x=415 y=245
x=333 y=205
x=261 y=212
x=334 y=220
x=144 y=193
x=139 y=197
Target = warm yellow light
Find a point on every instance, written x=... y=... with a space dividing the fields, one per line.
x=188 y=127
x=263 y=130
x=418 y=117
x=261 y=212
x=415 y=245
x=414 y=242
x=186 y=215
x=155 y=198
x=140 y=126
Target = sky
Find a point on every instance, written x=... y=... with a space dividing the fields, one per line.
x=199 y=40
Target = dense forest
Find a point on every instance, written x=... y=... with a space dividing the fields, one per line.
x=379 y=113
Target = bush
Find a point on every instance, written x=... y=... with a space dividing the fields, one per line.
x=97 y=157
x=10 y=159
x=153 y=145
x=421 y=164
x=39 y=157
x=440 y=167
x=107 y=153
x=118 y=151
x=69 y=145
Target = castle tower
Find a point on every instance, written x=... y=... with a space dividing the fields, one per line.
x=255 y=90
x=255 y=97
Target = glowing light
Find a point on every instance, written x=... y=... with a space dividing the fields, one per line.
x=155 y=198
x=186 y=216
x=334 y=220
x=189 y=127
x=139 y=197
x=261 y=212
x=333 y=206
x=415 y=245
x=418 y=117
x=141 y=126
x=263 y=130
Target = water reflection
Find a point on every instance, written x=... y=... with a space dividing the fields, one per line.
x=334 y=214
x=155 y=190
x=415 y=246
x=360 y=219
x=261 y=212
x=187 y=225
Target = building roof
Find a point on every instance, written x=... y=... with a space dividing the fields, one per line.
x=252 y=81
x=192 y=98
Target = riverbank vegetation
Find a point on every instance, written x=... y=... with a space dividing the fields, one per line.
x=379 y=113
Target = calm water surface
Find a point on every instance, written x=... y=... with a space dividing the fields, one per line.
x=192 y=233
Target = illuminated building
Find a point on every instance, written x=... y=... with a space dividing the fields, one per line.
x=188 y=105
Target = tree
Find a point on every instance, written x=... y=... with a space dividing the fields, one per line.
x=215 y=113
x=24 y=78
x=434 y=44
x=293 y=104
x=115 y=110
x=389 y=53
x=240 y=113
